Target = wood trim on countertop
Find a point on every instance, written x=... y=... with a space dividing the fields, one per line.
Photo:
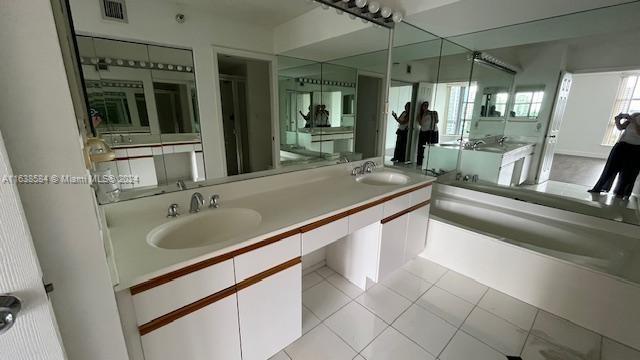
x=405 y=211
x=195 y=306
x=163 y=279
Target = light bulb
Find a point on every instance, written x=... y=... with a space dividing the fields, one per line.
x=345 y=1
x=325 y=6
x=352 y=17
x=385 y=12
x=364 y=21
x=339 y=12
x=374 y=6
x=397 y=17
x=361 y=3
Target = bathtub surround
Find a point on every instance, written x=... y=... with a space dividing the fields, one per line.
x=583 y=274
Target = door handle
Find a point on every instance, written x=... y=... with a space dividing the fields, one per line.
x=9 y=309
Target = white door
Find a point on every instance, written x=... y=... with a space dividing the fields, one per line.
x=549 y=145
x=34 y=334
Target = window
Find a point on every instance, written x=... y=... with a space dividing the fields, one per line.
x=627 y=101
x=501 y=102
x=527 y=103
x=460 y=101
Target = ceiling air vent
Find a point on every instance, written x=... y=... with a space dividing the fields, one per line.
x=113 y=10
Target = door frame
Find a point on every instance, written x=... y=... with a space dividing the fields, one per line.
x=272 y=60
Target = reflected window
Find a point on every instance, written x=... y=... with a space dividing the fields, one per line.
x=501 y=102
x=627 y=102
x=460 y=104
x=527 y=103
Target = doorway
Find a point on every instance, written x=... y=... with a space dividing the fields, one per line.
x=367 y=115
x=245 y=105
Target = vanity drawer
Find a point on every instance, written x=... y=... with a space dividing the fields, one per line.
x=324 y=235
x=266 y=257
x=365 y=217
x=181 y=291
x=397 y=205
x=420 y=196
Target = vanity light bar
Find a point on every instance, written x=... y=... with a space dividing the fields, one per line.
x=367 y=10
x=116 y=84
x=139 y=64
x=325 y=82
x=492 y=61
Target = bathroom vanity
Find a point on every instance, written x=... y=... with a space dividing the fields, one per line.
x=225 y=282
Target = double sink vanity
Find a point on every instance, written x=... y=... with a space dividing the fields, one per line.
x=225 y=281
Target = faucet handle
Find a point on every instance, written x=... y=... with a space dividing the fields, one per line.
x=173 y=210
x=356 y=170
x=214 y=201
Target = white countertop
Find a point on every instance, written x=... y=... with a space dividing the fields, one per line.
x=136 y=261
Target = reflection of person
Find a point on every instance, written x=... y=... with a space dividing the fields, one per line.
x=96 y=117
x=401 y=133
x=624 y=158
x=307 y=117
x=493 y=112
x=428 y=121
x=322 y=116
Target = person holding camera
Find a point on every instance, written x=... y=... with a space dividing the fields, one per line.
x=624 y=158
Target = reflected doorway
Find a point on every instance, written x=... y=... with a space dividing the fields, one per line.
x=367 y=115
x=234 y=121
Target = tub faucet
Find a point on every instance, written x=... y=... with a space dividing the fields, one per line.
x=197 y=200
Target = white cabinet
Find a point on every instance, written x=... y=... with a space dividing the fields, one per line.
x=324 y=235
x=209 y=333
x=416 y=232
x=266 y=257
x=270 y=314
x=392 y=242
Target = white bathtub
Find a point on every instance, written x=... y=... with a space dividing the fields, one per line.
x=582 y=268
x=599 y=244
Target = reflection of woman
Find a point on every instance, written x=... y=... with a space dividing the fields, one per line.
x=401 y=133
x=322 y=116
x=307 y=117
x=96 y=117
x=624 y=158
x=428 y=121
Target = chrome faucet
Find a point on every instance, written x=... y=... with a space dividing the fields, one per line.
x=474 y=144
x=368 y=166
x=214 y=201
x=173 y=211
x=501 y=140
x=196 y=202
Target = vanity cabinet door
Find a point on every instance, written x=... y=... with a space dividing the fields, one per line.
x=416 y=232
x=392 y=245
x=271 y=313
x=209 y=333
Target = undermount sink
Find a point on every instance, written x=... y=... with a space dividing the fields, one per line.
x=383 y=178
x=204 y=228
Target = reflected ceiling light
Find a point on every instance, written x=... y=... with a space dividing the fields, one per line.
x=374 y=6
x=325 y=6
x=352 y=17
x=385 y=12
x=364 y=21
x=361 y=3
x=397 y=17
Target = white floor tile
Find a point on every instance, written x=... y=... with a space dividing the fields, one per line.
x=566 y=335
x=511 y=309
x=383 y=302
x=426 y=329
x=310 y=280
x=309 y=321
x=325 y=271
x=612 y=350
x=495 y=332
x=392 y=345
x=280 y=356
x=464 y=347
x=324 y=299
x=448 y=306
x=320 y=344
x=462 y=286
x=356 y=325
x=540 y=349
x=407 y=284
x=426 y=269
x=345 y=286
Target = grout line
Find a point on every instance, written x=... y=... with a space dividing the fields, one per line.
x=530 y=330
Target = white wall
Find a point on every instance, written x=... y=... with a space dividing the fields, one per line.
x=41 y=133
x=588 y=111
x=153 y=22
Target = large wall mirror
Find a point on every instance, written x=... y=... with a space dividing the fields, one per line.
x=180 y=113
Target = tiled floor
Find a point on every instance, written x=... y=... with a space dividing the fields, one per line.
x=425 y=311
